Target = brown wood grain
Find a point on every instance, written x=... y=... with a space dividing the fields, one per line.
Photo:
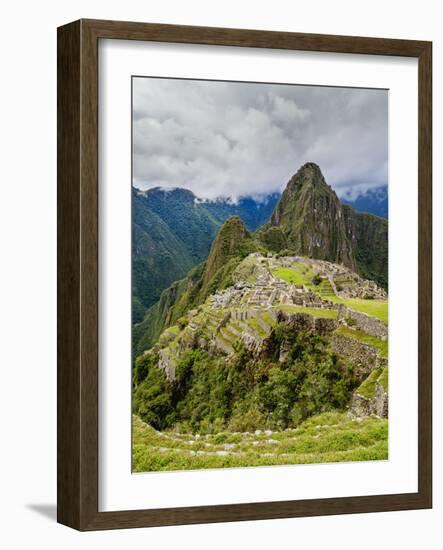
x=68 y=276
x=77 y=372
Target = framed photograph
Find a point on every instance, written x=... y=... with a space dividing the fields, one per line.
x=244 y=274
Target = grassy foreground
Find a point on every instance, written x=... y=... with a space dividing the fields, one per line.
x=327 y=437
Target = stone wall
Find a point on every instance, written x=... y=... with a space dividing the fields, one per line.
x=381 y=401
x=377 y=405
x=306 y=321
x=252 y=342
x=363 y=357
x=364 y=322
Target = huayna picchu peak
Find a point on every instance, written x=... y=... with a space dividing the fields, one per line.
x=310 y=220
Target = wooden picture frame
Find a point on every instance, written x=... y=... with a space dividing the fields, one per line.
x=77 y=455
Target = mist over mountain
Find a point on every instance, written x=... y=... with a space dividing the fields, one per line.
x=372 y=201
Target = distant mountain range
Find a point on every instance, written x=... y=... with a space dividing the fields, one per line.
x=173 y=231
x=373 y=201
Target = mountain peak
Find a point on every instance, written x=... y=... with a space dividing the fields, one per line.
x=310 y=219
x=310 y=175
x=225 y=246
x=234 y=223
x=311 y=167
x=170 y=193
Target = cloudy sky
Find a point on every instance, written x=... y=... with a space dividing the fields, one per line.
x=236 y=139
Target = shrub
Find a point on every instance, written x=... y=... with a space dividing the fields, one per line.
x=182 y=322
x=152 y=400
x=211 y=393
x=285 y=252
x=143 y=364
x=316 y=279
x=252 y=420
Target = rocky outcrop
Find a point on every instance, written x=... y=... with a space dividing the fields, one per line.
x=370 y=242
x=310 y=217
x=378 y=405
x=167 y=364
x=372 y=396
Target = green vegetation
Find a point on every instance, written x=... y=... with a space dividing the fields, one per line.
x=272 y=238
x=327 y=437
x=371 y=251
x=374 y=308
x=314 y=311
x=290 y=275
x=324 y=289
x=171 y=233
x=231 y=246
x=267 y=318
x=367 y=389
x=246 y=270
x=380 y=345
x=210 y=392
x=383 y=379
x=295 y=275
x=255 y=325
x=172 y=305
x=300 y=274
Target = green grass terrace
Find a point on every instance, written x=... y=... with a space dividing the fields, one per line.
x=328 y=437
x=300 y=274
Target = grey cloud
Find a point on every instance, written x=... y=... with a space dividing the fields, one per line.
x=234 y=139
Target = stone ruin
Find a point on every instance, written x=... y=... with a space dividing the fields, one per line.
x=244 y=301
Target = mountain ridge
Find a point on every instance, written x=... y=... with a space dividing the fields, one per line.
x=172 y=231
x=372 y=201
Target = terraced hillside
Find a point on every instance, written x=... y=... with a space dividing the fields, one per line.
x=328 y=437
x=283 y=326
x=250 y=309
